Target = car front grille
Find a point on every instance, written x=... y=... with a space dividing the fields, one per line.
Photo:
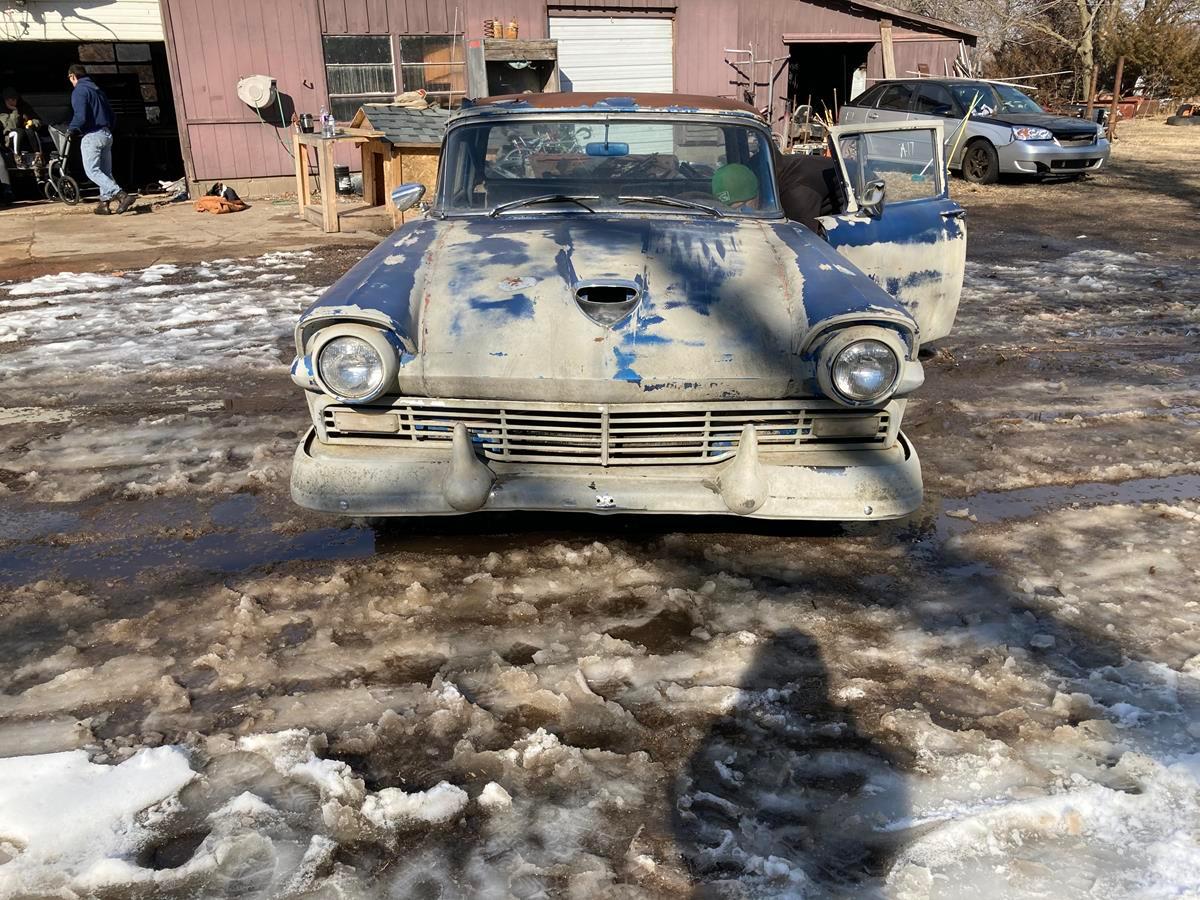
x=609 y=434
x=1084 y=141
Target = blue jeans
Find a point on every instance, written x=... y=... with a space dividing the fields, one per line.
x=96 y=149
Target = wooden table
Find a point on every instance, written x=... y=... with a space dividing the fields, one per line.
x=326 y=216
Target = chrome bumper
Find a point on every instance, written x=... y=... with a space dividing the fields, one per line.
x=450 y=480
x=1049 y=158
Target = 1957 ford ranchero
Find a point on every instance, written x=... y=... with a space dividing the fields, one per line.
x=606 y=310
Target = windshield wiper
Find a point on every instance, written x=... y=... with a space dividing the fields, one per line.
x=543 y=198
x=674 y=201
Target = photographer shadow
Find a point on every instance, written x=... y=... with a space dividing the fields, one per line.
x=787 y=786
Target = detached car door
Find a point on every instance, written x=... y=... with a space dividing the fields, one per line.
x=913 y=243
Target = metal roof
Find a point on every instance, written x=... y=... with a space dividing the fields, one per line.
x=903 y=14
x=404 y=126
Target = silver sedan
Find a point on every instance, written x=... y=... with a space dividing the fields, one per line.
x=1007 y=131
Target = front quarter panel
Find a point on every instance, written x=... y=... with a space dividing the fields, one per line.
x=384 y=288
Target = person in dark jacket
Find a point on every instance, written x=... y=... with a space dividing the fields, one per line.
x=93 y=119
x=808 y=188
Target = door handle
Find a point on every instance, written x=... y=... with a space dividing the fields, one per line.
x=872 y=115
x=954 y=214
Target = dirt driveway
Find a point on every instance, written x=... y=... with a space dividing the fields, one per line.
x=996 y=697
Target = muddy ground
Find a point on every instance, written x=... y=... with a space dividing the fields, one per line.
x=997 y=696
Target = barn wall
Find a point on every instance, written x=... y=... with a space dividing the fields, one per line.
x=430 y=17
x=934 y=53
x=703 y=30
x=280 y=38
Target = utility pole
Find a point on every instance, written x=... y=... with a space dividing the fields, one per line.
x=1112 y=113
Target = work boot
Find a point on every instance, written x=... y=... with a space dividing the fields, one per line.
x=102 y=208
x=124 y=201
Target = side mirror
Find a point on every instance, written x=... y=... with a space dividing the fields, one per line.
x=407 y=195
x=871 y=201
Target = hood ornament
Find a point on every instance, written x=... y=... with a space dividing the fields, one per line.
x=607 y=301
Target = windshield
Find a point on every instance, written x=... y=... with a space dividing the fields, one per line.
x=994 y=98
x=608 y=165
x=1013 y=101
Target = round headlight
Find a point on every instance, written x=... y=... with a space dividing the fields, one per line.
x=351 y=367
x=865 y=371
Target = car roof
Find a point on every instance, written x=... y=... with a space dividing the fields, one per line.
x=594 y=101
x=939 y=80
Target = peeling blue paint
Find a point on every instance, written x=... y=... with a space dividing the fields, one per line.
x=625 y=370
x=902 y=223
x=829 y=292
x=390 y=289
x=897 y=286
x=518 y=306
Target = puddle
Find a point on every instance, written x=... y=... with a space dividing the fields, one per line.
x=166 y=535
x=224 y=553
x=30 y=523
x=990 y=507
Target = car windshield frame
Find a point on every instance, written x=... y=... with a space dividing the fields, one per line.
x=457 y=154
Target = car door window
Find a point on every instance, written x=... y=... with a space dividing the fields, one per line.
x=868 y=98
x=896 y=96
x=906 y=161
x=934 y=100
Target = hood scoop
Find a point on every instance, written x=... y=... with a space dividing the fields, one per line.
x=607 y=301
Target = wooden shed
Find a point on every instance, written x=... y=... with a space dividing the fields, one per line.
x=403 y=145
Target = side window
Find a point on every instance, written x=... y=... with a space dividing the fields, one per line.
x=904 y=160
x=868 y=98
x=934 y=100
x=896 y=96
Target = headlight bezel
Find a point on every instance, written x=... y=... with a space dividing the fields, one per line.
x=841 y=341
x=375 y=339
x=1031 y=133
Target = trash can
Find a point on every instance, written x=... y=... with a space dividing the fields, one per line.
x=341 y=177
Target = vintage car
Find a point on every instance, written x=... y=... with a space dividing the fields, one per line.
x=605 y=310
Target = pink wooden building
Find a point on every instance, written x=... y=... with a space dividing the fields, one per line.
x=340 y=53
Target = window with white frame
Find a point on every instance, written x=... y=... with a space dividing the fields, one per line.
x=359 y=69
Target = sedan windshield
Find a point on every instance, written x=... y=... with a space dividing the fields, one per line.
x=607 y=164
x=993 y=99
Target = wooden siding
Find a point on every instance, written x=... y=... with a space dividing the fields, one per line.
x=936 y=54
x=703 y=30
x=59 y=20
x=428 y=16
x=280 y=38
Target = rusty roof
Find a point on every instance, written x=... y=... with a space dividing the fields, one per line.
x=588 y=99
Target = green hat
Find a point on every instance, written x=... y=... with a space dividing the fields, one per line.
x=734 y=183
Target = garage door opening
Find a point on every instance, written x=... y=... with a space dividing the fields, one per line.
x=134 y=75
x=826 y=74
x=621 y=55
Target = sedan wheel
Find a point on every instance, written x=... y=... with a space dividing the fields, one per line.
x=980 y=164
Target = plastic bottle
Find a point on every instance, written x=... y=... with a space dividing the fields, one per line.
x=327 y=123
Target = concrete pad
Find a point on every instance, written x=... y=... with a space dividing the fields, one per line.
x=41 y=238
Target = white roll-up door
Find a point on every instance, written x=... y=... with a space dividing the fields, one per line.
x=622 y=55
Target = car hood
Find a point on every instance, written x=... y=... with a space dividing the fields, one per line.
x=486 y=308
x=1059 y=126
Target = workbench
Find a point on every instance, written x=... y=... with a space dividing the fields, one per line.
x=327 y=215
